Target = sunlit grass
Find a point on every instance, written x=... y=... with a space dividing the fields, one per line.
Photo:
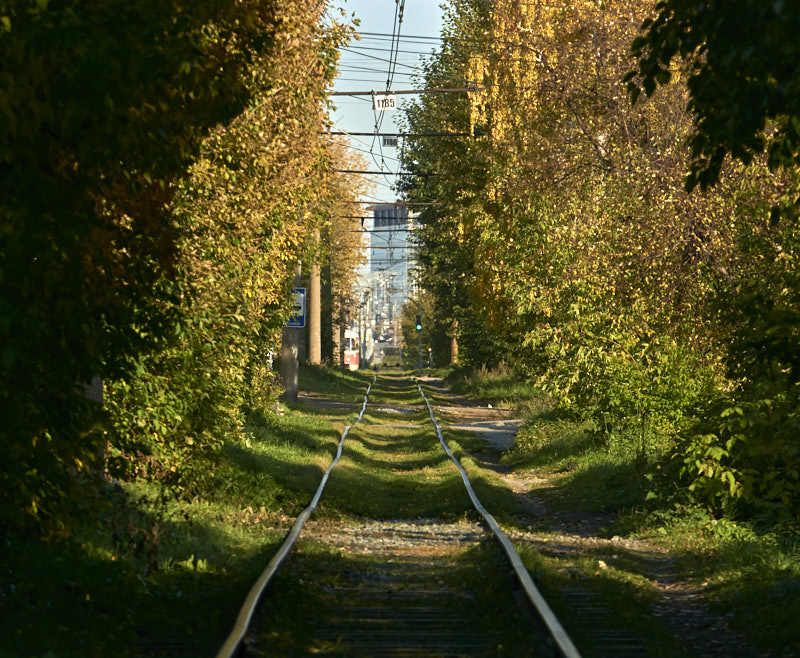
x=161 y=576
x=750 y=571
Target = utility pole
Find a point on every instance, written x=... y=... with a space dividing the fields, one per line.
x=454 y=343
x=314 y=329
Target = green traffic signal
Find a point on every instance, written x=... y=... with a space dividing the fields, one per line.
x=419 y=322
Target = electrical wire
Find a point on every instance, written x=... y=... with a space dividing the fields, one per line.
x=381 y=59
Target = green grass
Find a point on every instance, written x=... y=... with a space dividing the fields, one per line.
x=334 y=382
x=500 y=387
x=752 y=570
x=147 y=578
x=142 y=577
x=393 y=467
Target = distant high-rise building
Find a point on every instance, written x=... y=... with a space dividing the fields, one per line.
x=391 y=253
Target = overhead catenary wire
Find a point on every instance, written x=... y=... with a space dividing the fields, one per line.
x=350 y=68
x=381 y=59
x=395 y=173
x=353 y=46
x=429 y=90
x=397 y=203
x=355 y=148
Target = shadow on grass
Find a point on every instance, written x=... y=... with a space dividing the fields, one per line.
x=333 y=381
x=397 y=464
x=285 y=472
x=597 y=487
x=414 y=449
x=549 y=443
x=300 y=433
x=616 y=605
x=396 y=397
x=95 y=596
x=380 y=445
x=326 y=409
x=393 y=496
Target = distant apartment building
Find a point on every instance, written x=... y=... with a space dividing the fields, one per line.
x=390 y=267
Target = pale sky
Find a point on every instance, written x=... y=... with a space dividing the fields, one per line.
x=363 y=66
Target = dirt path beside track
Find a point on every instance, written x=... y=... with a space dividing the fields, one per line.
x=683 y=606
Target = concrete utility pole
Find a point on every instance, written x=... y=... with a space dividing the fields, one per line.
x=290 y=350
x=314 y=319
x=454 y=343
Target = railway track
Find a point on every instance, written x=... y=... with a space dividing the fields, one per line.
x=443 y=583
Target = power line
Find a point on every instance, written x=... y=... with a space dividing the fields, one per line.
x=386 y=50
x=355 y=148
x=393 y=66
x=381 y=59
x=347 y=67
x=398 y=203
x=379 y=230
x=406 y=36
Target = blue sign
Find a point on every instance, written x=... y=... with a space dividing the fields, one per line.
x=298 y=317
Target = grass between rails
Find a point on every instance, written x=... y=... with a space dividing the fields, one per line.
x=143 y=578
x=750 y=572
x=149 y=576
x=334 y=383
x=393 y=467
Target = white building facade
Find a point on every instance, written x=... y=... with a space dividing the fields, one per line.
x=391 y=266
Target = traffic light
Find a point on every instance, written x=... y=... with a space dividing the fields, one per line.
x=419 y=322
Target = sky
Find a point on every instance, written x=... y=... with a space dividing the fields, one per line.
x=361 y=71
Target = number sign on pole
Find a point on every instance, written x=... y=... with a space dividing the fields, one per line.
x=382 y=102
x=390 y=141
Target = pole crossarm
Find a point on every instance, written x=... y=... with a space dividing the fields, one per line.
x=412 y=135
x=393 y=173
x=393 y=92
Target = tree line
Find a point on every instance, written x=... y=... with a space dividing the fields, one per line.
x=162 y=169
x=622 y=227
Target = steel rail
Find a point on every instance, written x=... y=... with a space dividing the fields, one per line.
x=240 y=627
x=549 y=618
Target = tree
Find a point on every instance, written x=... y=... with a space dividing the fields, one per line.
x=343 y=247
x=136 y=143
x=740 y=62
